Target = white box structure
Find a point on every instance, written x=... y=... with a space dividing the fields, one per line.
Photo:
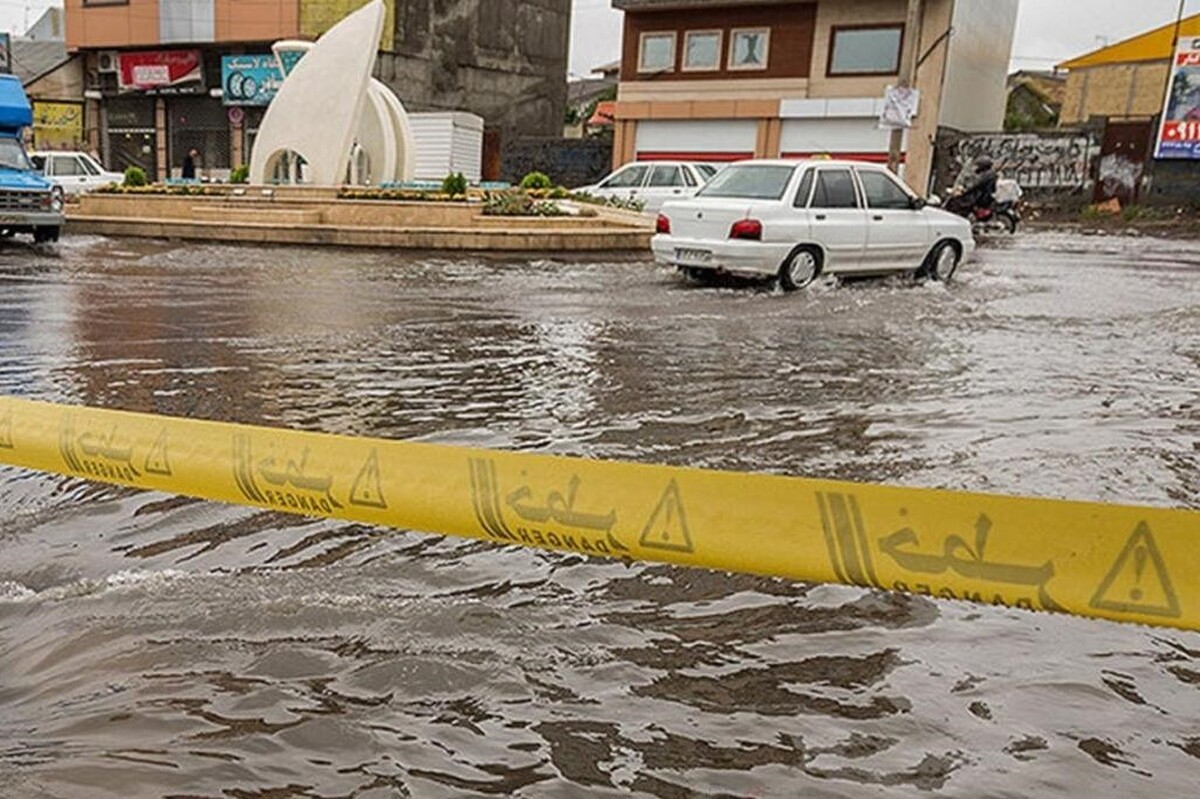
x=448 y=142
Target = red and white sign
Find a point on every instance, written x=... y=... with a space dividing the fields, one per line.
x=156 y=70
x=1179 y=135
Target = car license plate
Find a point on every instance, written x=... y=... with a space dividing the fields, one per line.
x=688 y=256
x=10 y=218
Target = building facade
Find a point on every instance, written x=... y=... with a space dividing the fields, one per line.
x=1126 y=79
x=729 y=79
x=163 y=77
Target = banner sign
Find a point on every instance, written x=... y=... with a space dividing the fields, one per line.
x=1179 y=136
x=250 y=79
x=57 y=125
x=161 y=72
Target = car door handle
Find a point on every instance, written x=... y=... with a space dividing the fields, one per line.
x=821 y=217
x=878 y=218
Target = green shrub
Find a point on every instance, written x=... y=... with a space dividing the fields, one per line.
x=537 y=180
x=135 y=176
x=240 y=174
x=455 y=184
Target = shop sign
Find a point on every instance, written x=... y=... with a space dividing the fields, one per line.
x=57 y=125
x=161 y=72
x=1179 y=135
x=250 y=79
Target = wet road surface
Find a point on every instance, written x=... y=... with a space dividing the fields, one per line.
x=154 y=646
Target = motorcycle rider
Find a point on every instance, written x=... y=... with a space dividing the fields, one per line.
x=981 y=193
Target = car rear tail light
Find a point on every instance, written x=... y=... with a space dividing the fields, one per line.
x=750 y=229
x=662 y=224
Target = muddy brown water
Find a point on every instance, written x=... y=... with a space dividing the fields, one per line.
x=153 y=646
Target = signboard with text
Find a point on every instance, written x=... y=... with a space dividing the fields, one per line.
x=250 y=79
x=1179 y=136
x=161 y=72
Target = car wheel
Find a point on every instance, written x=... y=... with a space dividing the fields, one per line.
x=42 y=235
x=942 y=263
x=800 y=269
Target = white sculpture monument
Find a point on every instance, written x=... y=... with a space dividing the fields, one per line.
x=332 y=123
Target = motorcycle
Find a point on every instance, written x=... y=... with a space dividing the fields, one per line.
x=1004 y=215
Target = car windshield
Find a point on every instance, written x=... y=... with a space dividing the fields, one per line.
x=750 y=182
x=12 y=155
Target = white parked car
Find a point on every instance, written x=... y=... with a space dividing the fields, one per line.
x=653 y=182
x=797 y=220
x=76 y=172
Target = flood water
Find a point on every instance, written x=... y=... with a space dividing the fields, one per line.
x=152 y=646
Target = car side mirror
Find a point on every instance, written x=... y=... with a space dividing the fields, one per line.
x=934 y=200
x=916 y=203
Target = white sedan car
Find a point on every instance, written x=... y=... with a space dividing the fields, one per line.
x=653 y=182
x=74 y=171
x=797 y=220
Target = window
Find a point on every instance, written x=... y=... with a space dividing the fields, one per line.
x=631 y=177
x=805 y=189
x=706 y=170
x=702 y=51
x=749 y=182
x=656 y=52
x=12 y=154
x=883 y=192
x=748 y=48
x=66 y=165
x=665 y=176
x=865 y=51
x=689 y=178
x=834 y=189
x=89 y=165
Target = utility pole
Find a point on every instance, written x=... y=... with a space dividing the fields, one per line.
x=908 y=73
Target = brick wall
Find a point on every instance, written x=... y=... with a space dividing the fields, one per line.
x=1114 y=90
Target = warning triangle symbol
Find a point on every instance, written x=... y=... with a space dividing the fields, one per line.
x=367 y=489
x=156 y=461
x=667 y=528
x=1138 y=581
x=6 y=441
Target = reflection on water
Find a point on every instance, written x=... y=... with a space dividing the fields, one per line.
x=157 y=646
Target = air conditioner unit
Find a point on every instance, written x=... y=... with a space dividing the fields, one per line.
x=106 y=61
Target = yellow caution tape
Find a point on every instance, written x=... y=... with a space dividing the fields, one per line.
x=1125 y=563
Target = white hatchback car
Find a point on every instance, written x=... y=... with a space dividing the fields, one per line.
x=75 y=172
x=800 y=219
x=653 y=182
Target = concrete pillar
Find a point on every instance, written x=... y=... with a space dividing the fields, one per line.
x=766 y=144
x=160 y=138
x=624 y=142
x=236 y=144
x=91 y=124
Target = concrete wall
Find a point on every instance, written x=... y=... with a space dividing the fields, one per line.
x=505 y=60
x=1115 y=90
x=1173 y=184
x=975 y=94
x=568 y=162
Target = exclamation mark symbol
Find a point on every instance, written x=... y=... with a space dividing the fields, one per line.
x=666 y=526
x=1139 y=565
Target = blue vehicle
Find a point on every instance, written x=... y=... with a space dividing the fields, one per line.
x=28 y=202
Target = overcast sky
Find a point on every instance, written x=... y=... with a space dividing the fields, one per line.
x=1048 y=31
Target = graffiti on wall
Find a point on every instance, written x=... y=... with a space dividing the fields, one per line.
x=1034 y=161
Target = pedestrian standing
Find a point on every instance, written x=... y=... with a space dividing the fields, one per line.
x=189 y=164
